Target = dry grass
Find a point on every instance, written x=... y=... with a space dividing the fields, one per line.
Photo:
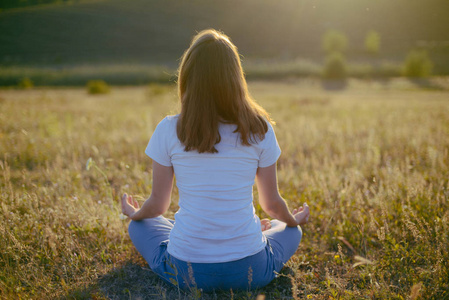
x=371 y=160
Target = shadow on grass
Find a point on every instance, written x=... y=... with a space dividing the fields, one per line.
x=334 y=84
x=132 y=281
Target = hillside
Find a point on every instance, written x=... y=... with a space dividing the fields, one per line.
x=150 y=31
x=12 y=4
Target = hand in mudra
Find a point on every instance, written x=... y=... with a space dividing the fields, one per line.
x=265 y=224
x=129 y=205
x=302 y=214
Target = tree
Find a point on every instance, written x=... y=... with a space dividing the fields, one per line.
x=417 y=64
x=335 y=67
x=97 y=87
x=372 y=42
x=334 y=41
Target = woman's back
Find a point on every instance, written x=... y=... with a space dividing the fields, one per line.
x=216 y=241
x=216 y=220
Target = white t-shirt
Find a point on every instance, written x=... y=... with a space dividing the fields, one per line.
x=216 y=220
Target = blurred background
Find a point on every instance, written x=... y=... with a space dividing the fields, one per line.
x=123 y=42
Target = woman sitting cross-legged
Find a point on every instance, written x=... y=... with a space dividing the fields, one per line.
x=217 y=147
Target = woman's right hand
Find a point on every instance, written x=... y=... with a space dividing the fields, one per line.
x=302 y=214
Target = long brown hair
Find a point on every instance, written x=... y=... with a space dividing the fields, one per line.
x=212 y=88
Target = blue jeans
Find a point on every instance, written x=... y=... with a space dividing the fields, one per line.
x=151 y=236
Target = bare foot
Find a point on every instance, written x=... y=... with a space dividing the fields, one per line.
x=266 y=224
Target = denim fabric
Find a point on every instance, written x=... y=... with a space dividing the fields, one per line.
x=150 y=237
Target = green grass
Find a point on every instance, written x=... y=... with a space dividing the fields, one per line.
x=371 y=160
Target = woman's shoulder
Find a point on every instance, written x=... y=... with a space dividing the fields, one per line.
x=269 y=136
x=168 y=121
x=171 y=118
x=166 y=127
x=270 y=126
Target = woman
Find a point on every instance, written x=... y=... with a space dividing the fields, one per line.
x=220 y=143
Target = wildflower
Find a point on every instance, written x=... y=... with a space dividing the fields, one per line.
x=89 y=163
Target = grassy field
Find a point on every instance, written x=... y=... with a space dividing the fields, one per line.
x=371 y=158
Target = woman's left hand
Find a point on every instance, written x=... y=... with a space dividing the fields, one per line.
x=129 y=205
